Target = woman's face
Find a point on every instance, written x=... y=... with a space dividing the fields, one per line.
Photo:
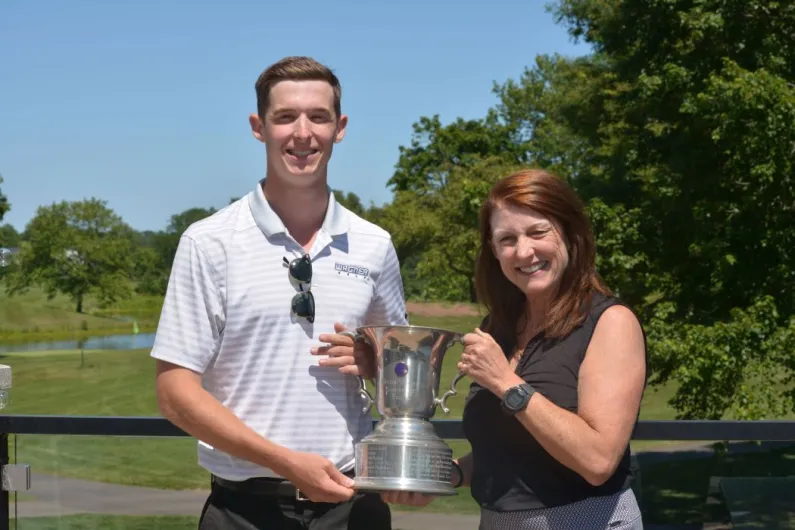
x=530 y=248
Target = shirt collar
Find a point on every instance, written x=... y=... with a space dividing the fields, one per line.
x=335 y=223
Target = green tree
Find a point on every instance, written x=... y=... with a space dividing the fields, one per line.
x=678 y=131
x=436 y=149
x=4 y=206
x=9 y=237
x=695 y=127
x=350 y=201
x=436 y=232
x=149 y=274
x=684 y=125
x=76 y=248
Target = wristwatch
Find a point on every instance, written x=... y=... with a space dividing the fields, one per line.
x=516 y=398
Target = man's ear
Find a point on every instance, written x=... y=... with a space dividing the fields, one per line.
x=341 y=126
x=257 y=127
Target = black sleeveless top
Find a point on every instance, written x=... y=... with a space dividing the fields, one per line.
x=512 y=471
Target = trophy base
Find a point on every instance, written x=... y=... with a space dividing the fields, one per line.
x=404 y=454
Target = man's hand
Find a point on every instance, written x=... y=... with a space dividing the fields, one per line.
x=317 y=478
x=351 y=358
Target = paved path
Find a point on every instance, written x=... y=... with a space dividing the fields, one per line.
x=59 y=496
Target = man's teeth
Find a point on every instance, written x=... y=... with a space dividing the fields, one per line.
x=302 y=153
x=533 y=268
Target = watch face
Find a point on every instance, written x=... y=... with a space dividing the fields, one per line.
x=515 y=398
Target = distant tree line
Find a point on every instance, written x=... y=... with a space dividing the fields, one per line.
x=679 y=133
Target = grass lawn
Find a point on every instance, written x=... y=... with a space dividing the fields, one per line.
x=121 y=383
x=106 y=522
x=31 y=316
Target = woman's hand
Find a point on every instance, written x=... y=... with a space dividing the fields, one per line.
x=486 y=364
x=410 y=498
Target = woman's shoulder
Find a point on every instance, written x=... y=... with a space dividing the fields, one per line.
x=606 y=304
x=611 y=316
x=609 y=312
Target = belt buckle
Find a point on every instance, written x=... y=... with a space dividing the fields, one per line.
x=299 y=497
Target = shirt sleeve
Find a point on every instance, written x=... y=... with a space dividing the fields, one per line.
x=388 y=307
x=192 y=318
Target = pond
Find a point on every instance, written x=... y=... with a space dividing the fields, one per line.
x=108 y=342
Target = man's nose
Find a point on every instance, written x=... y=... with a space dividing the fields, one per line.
x=302 y=130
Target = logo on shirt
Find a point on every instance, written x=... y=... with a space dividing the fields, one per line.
x=352 y=270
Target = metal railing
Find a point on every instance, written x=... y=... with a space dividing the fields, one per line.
x=679 y=430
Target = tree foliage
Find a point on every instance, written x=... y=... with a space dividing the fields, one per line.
x=9 y=237
x=679 y=133
x=76 y=248
x=4 y=206
x=156 y=251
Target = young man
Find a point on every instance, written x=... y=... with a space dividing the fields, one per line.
x=249 y=356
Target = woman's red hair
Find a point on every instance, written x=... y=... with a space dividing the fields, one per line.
x=553 y=198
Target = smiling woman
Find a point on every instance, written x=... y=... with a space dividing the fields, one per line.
x=557 y=369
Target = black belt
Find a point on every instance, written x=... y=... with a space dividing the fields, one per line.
x=274 y=487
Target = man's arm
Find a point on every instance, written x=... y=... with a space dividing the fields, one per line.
x=184 y=402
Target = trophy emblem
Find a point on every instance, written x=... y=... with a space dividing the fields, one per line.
x=404 y=453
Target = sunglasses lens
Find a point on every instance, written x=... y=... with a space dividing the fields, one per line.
x=303 y=305
x=301 y=269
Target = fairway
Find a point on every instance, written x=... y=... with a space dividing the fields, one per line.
x=32 y=316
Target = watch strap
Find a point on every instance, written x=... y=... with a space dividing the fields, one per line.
x=460 y=475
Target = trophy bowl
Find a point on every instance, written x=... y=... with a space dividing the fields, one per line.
x=404 y=453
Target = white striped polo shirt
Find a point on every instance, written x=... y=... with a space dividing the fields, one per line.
x=227 y=315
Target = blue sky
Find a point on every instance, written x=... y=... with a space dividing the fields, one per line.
x=144 y=103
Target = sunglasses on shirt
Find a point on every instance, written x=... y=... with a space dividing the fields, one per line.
x=303 y=303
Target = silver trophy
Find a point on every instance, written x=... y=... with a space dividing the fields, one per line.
x=404 y=453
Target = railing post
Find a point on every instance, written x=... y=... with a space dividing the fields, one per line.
x=5 y=507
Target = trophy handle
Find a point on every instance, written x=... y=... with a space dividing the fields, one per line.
x=366 y=395
x=362 y=386
x=452 y=392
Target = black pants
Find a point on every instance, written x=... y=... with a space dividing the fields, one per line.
x=235 y=510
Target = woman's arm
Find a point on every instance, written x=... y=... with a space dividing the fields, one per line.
x=611 y=382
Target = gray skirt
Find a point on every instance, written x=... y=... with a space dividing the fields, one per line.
x=619 y=511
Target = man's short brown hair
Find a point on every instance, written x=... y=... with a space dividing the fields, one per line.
x=296 y=68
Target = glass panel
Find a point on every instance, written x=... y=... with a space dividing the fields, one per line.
x=106 y=482
x=744 y=484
